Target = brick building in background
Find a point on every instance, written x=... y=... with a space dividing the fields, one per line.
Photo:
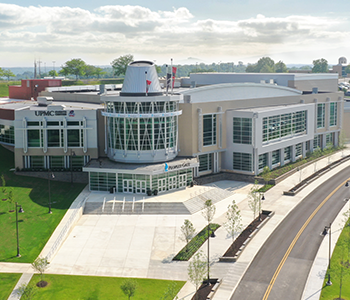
x=30 y=88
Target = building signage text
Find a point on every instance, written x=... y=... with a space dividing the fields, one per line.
x=50 y=113
x=177 y=167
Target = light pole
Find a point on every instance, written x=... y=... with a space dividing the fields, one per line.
x=49 y=176
x=209 y=236
x=325 y=231
x=72 y=153
x=19 y=211
x=260 y=199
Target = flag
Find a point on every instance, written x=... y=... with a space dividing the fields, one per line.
x=174 y=74
x=148 y=83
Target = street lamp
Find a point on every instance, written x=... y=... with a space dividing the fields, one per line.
x=49 y=176
x=209 y=236
x=325 y=231
x=19 y=211
x=72 y=153
x=260 y=199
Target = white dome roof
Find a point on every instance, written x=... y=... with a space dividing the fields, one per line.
x=137 y=74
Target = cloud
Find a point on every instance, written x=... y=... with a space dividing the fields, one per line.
x=116 y=29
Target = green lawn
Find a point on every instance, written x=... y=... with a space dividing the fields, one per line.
x=35 y=224
x=4 y=89
x=63 y=287
x=7 y=284
x=339 y=268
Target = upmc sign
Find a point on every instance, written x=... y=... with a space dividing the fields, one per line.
x=50 y=113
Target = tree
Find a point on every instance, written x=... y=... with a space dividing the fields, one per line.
x=196 y=270
x=121 y=63
x=90 y=70
x=129 y=287
x=26 y=291
x=40 y=265
x=280 y=67
x=264 y=65
x=1 y=72
x=266 y=174
x=347 y=69
x=53 y=73
x=99 y=72
x=171 y=292
x=320 y=66
x=188 y=231
x=208 y=211
x=75 y=67
x=234 y=219
x=254 y=202
x=8 y=73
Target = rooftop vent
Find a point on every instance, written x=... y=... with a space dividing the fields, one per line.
x=141 y=79
x=44 y=101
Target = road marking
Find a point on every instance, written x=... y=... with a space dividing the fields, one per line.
x=274 y=277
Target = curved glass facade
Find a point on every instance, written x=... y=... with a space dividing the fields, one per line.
x=140 y=131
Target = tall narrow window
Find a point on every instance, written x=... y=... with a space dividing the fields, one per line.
x=333 y=114
x=320 y=115
x=209 y=130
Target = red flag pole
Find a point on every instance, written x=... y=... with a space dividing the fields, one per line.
x=171 y=69
x=146 y=83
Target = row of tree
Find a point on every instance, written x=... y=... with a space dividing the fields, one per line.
x=6 y=73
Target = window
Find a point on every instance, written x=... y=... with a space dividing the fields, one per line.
x=242 y=161
x=102 y=181
x=7 y=134
x=53 y=138
x=320 y=115
x=204 y=162
x=318 y=141
x=298 y=150
x=37 y=162
x=333 y=114
x=278 y=126
x=35 y=138
x=209 y=130
x=56 y=161
x=242 y=131
x=276 y=157
x=329 y=139
x=262 y=161
x=73 y=138
x=287 y=154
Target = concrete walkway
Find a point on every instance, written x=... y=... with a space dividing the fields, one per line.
x=143 y=245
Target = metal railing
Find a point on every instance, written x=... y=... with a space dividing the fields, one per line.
x=65 y=230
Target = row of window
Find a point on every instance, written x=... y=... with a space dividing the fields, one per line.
x=55 y=137
x=284 y=125
x=142 y=107
x=54 y=162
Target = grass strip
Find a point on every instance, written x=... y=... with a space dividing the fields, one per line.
x=7 y=283
x=340 y=269
x=62 y=287
x=194 y=244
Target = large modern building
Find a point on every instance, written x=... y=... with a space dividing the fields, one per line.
x=143 y=139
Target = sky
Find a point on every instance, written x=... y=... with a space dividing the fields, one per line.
x=195 y=31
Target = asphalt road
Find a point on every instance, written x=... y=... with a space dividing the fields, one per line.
x=291 y=280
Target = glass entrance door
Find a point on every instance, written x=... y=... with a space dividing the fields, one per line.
x=140 y=186
x=128 y=186
x=162 y=185
x=172 y=183
x=182 y=180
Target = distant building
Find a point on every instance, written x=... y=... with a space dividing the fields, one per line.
x=340 y=67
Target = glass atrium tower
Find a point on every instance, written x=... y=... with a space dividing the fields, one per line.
x=142 y=122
